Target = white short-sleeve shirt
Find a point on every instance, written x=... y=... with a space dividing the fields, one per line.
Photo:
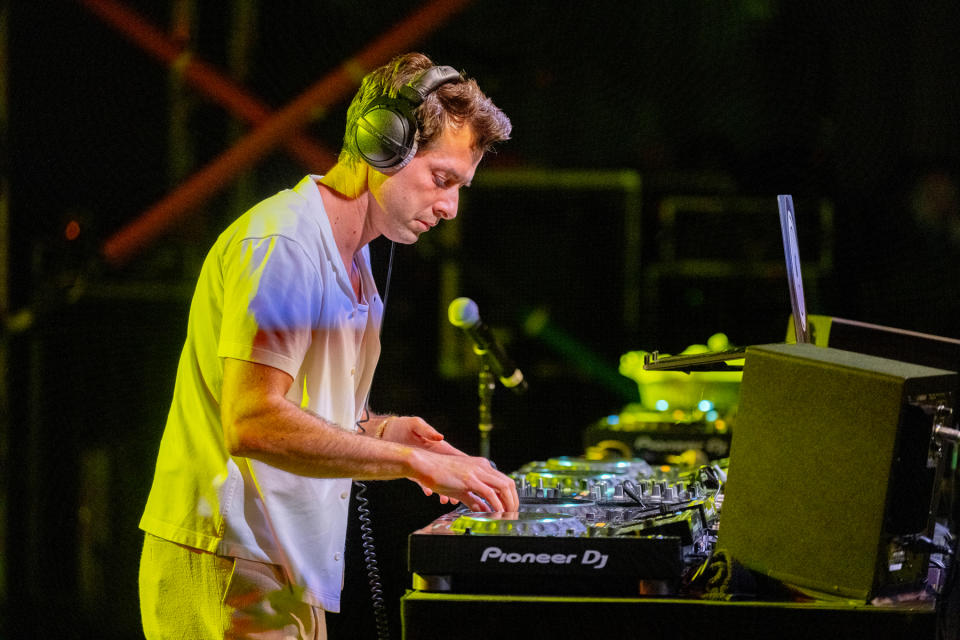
x=273 y=290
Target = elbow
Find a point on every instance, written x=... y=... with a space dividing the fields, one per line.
x=233 y=438
x=239 y=436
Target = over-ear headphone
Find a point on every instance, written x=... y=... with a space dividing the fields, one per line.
x=386 y=132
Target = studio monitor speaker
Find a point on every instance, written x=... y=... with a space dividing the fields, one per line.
x=831 y=472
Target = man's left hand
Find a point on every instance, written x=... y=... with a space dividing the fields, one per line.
x=416 y=432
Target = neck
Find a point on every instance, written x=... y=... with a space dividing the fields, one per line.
x=346 y=198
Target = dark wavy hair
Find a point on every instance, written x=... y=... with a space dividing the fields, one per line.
x=454 y=104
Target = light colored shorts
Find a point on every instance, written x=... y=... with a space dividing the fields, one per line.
x=186 y=593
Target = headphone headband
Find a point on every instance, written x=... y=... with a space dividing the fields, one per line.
x=426 y=82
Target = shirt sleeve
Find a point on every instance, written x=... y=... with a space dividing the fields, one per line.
x=272 y=294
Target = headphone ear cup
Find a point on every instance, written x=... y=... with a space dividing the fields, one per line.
x=386 y=134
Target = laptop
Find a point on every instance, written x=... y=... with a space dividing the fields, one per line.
x=721 y=360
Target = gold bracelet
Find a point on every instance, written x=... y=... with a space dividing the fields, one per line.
x=383 y=427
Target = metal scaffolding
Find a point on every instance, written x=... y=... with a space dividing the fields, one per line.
x=30 y=526
x=271 y=129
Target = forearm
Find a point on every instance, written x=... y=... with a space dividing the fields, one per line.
x=260 y=423
x=411 y=431
x=284 y=436
x=291 y=439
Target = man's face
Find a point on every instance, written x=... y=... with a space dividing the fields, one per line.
x=418 y=196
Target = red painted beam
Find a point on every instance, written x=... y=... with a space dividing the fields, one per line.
x=203 y=77
x=209 y=180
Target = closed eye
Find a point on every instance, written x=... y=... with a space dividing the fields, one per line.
x=446 y=183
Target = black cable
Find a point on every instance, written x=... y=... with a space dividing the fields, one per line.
x=386 y=287
x=370 y=559
x=630 y=488
x=363 y=505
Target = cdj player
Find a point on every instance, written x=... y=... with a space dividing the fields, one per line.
x=584 y=528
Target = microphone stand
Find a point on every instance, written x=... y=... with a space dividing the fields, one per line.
x=487 y=385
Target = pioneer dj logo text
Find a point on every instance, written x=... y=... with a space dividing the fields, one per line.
x=590 y=557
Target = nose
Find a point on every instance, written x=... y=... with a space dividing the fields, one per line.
x=446 y=207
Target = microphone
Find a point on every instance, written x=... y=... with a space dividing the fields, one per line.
x=463 y=314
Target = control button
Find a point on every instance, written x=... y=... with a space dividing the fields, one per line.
x=512 y=523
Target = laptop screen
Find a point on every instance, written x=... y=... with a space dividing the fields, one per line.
x=791 y=252
x=717 y=361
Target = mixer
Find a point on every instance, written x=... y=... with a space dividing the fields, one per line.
x=584 y=527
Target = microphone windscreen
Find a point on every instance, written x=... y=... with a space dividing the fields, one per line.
x=463 y=313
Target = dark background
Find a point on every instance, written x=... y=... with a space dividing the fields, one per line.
x=855 y=104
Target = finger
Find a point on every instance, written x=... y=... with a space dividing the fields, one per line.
x=473 y=502
x=453 y=450
x=428 y=437
x=426 y=432
x=445 y=448
x=427 y=491
x=489 y=494
x=506 y=490
x=476 y=504
x=512 y=499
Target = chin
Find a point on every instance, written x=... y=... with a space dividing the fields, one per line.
x=402 y=237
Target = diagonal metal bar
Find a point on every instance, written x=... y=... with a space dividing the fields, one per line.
x=209 y=180
x=201 y=76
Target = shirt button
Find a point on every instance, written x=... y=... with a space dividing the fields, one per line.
x=344 y=495
x=353 y=371
x=336 y=556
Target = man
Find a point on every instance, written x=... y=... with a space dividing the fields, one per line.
x=246 y=519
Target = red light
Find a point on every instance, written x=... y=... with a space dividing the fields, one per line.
x=72 y=232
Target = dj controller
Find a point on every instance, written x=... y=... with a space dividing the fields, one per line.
x=839 y=519
x=584 y=527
